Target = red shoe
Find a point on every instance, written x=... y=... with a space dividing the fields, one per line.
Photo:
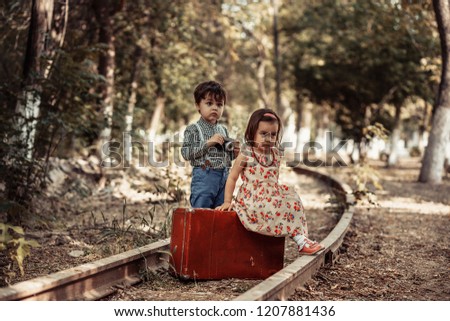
x=310 y=248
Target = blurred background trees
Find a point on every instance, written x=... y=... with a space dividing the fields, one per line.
x=77 y=74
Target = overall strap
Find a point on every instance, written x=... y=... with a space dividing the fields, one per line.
x=202 y=138
x=222 y=130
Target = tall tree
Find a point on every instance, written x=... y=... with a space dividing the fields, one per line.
x=25 y=95
x=156 y=68
x=433 y=160
x=104 y=11
x=137 y=59
x=28 y=106
x=261 y=62
x=131 y=104
x=277 y=59
x=251 y=32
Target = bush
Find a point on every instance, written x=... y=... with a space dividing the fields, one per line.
x=415 y=152
x=17 y=248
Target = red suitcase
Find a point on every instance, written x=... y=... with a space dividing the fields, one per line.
x=208 y=244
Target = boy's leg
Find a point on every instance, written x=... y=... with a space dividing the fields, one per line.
x=204 y=187
x=220 y=196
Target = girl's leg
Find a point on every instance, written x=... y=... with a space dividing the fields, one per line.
x=306 y=246
x=300 y=240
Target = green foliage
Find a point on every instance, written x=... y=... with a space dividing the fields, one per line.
x=364 y=177
x=375 y=130
x=365 y=181
x=361 y=53
x=177 y=54
x=120 y=236
x=335 y=205
x=23 y=180
x=130 y=232
x=415 y=152
x=15 y=245
x=67 y=106
x=173 y=198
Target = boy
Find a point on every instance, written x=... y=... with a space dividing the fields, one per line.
x=205 y=147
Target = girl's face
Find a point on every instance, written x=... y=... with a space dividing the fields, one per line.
x=210 y=109
x=266 y=135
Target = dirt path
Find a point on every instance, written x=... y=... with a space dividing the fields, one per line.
x=398 y=251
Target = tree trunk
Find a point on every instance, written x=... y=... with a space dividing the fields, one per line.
x=303 y=125
x=133 y=89
x=363 y=143
x=152 y=129
x=323 y=122
x=28 y=105
x=423 y=127
x=298 y=124
x=261 y=65
x=106 y=68
x=57 y=34
x=433 y=160
x=156 y=68
x=277 y=62
x=137 y=56
x=261 y=75
x=395 y=138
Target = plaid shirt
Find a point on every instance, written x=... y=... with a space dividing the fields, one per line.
x=197 y=152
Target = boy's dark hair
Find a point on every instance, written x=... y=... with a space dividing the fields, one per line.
x=212 y=88
x=259 y=115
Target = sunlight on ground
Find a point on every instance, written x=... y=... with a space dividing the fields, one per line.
x=312 y=198
x=124 y=190
x=409 y=205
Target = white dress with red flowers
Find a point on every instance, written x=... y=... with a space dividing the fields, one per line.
x=264 y=206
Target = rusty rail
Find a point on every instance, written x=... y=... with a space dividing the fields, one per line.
x=94 y=280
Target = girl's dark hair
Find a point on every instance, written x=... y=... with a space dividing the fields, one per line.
x=258 y=116
x=212 y=88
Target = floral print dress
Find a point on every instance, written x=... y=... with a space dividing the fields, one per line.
x=264 y=206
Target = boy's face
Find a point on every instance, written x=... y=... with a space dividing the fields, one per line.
x=210 y=109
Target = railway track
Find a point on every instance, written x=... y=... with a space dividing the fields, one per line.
x=96 y=280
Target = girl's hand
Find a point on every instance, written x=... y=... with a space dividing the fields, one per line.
x=236 y=148
x=226 y=206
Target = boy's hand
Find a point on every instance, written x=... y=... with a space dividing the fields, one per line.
x=216 y=139
x=226 y=206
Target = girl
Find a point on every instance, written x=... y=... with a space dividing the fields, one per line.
x=264 y=206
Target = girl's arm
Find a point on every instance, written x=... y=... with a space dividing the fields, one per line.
x=237 y=168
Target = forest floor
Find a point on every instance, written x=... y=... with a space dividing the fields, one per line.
x=398 y=250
